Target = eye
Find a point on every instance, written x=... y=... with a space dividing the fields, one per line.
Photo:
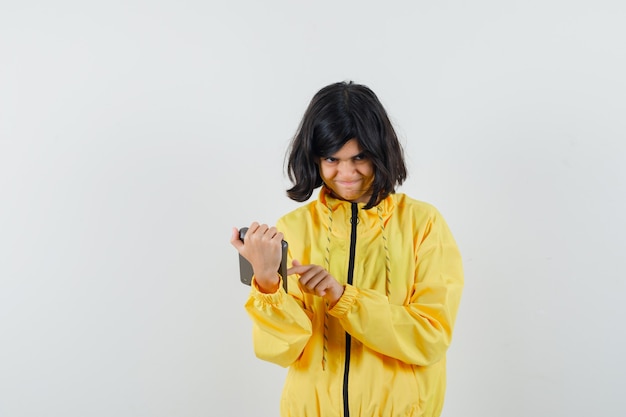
x=330 y=159
x=360 y=157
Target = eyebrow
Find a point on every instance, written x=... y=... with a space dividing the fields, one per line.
x=360 y=154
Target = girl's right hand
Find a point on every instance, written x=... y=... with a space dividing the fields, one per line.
x=262 y=247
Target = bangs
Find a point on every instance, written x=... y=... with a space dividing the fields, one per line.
x=330 y=133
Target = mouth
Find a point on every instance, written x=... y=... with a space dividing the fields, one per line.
x=348 y=183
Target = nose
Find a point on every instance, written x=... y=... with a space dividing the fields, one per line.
x=346 y=167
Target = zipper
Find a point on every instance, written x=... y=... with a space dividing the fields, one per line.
x=354 y=220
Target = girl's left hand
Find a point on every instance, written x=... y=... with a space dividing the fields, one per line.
x=317 y=281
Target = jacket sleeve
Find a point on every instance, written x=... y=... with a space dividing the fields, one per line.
x=420 y=332
x=281 y=326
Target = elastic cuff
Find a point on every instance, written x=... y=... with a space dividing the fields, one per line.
x=345 y=303
x=274 y=298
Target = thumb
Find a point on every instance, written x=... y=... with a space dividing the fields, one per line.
x=234 y=239
x=295 y=262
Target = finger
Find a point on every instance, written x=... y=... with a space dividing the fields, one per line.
x=312 y=278
x=316 y=288
x=270 y=234
x=253 y=226
x=261 y=230
x=300 y=270
x=326 y=286
x=234 y=239
x=279 y=236
x=323 y=287
x=255 y=231
x=320 y=292
x=306 y=272
x=294 y=268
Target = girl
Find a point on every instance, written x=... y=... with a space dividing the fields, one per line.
x=376 y=276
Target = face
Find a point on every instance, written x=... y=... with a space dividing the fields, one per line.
x=348 y=173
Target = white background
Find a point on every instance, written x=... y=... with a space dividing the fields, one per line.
x=135 y=134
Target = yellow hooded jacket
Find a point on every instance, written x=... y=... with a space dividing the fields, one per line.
x=381 y=350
